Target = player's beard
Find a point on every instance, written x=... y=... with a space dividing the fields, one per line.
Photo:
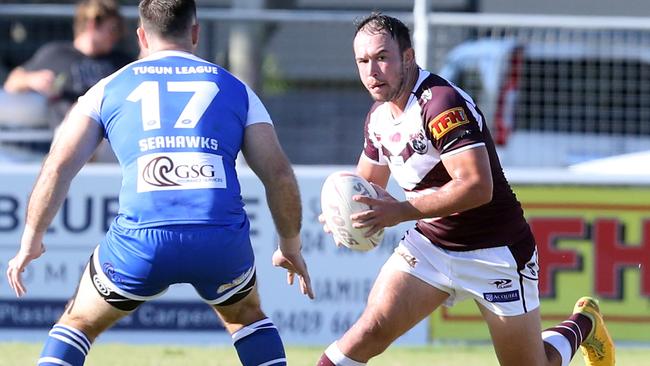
x=394 y=93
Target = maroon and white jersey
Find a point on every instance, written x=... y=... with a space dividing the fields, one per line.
x=440 y=120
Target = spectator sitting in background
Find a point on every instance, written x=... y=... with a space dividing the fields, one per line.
x=62 y=70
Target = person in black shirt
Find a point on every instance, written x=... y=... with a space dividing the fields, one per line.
x=62 y=70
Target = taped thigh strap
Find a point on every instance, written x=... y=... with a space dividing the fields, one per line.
x=113 y=298
x=239 y=295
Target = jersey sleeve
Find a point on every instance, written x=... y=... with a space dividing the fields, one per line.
x=257 y=112
x=90 y=103
x=452 y=122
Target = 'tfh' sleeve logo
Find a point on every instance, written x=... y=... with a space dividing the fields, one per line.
x=447 y=121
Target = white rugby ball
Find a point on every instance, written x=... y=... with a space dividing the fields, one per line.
x=337 y=206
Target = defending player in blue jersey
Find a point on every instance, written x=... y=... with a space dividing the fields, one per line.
x=176 y=123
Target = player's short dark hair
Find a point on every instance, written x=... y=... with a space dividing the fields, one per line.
x=377 y=22
x=167 y=18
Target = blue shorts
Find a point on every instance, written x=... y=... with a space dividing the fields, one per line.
x=140 y=264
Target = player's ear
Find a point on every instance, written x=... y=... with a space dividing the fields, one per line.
x=409 y=55
x=195 y=34
x=142 y=40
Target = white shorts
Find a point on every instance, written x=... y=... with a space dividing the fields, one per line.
x=489 y=276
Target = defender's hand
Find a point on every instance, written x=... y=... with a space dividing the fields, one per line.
x=17 y=265
x=292 y=260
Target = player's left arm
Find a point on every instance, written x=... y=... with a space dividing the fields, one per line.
x=454 y=125
x=470 y=185
x=265 y=156
x=76 y=140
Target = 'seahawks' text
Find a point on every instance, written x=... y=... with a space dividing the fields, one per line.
x=179 y=142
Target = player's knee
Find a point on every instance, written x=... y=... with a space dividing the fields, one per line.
x=80 y=323
x=375 y=335
x=243 y=313
x=89 y=319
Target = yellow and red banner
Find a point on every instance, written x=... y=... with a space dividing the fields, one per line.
x=592 y=240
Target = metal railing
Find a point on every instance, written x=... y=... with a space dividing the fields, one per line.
x=573 y=101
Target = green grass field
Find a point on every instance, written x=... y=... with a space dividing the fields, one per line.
x=14 y=354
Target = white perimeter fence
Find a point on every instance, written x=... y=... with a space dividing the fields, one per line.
x=556 y=90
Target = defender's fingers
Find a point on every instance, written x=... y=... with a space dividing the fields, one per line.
x=15 y=281
x=305 y=286
x=20 y=288
x=14 y=276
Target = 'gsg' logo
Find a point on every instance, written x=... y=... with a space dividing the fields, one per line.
x=162 y=172
x=194 y=171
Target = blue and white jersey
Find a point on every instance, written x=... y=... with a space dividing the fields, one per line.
x=176 y=124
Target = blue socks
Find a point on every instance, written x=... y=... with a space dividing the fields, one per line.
x=65 y=346
x=259 y=344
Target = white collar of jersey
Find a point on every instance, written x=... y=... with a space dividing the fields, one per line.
x=168 y=53
x=422 y=74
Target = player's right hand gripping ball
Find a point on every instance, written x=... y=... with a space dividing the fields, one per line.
x=337 y=206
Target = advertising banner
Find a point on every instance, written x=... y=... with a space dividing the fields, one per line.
x=341 y=278
x=592 y=240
